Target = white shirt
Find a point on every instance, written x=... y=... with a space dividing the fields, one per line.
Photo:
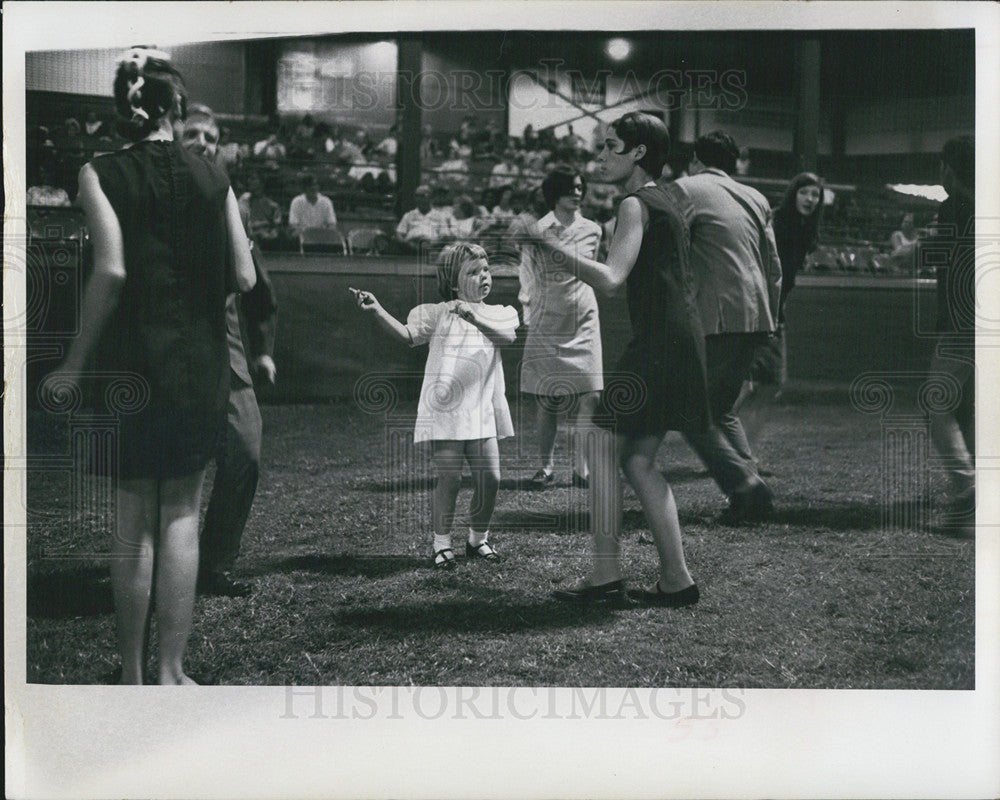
x=303 y=214
x=463 y=396
x=417 y=225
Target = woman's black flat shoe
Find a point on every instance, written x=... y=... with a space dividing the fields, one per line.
x=541 y=479
x=585 y=593
x=661 y=599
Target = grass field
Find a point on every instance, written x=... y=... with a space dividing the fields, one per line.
x=848 y=587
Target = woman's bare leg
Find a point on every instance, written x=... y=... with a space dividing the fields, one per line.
x=657 y=499
x=132 y=571
x=586 y=404
x=605 y=504
x=547 y=419
x=177 y=572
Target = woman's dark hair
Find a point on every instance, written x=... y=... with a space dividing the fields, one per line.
x=636 y=128
x=559 y=183
x=717 y=149
x=147 y=88
x=787 y=212
x=450 y=264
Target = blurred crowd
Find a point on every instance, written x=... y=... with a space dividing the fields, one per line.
x=475 y=181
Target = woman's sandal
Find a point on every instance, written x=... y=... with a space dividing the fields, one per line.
x=484 y=551
x=444 y=559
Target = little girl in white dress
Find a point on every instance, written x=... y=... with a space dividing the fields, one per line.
x=463 y=410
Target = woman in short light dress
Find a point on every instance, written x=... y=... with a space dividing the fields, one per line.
x=563 y=364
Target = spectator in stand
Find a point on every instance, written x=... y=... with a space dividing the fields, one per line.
x=418 y=227
x=71 y=135
x=261 y=215
x=311 y=209
x=504 y=211
x=903 y=243
x=386 y=149
x=572 y=142
x=92 y=125
x=44 y=193
x=305 y=131
x=529 y=140
x=464 y=216
x=444 y=219
x=429 y=149
x=364 y=144
x=467 y=130
x=349 y=152
x=456 y=169
x=303 y=143
x=743 y=162
x=271 y=148
x=505 y=172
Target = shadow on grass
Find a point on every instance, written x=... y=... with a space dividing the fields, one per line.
x=64 y=594
x=366 y=566
x=477 y=615
x=426 y=484
x=835 y=516
x=575 y=521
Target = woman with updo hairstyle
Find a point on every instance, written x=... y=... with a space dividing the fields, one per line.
x=168 y=247
x=563 y=365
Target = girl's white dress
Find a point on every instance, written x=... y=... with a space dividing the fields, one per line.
x=463 y=391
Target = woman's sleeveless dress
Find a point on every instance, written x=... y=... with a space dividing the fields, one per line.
x=659 y=382
x=168 y=332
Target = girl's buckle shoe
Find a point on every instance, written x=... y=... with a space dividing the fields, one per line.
x=484 y=551
x=444 y=559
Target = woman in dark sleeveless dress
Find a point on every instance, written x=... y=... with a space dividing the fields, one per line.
x=659 y=383
x=164 y=226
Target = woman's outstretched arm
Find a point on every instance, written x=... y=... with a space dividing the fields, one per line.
x=622 y=254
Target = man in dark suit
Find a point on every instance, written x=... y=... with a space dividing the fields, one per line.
x=738 y=282
x=238 y=459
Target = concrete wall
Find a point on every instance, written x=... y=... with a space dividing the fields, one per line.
x=837 y=327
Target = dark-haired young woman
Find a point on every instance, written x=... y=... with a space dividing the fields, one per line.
x=659 y=382
x=164 y=224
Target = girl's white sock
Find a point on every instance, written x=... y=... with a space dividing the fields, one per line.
x=476 y=539
x=442 y=542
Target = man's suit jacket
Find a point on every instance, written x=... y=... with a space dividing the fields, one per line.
x=734 y=259
x=260 y=309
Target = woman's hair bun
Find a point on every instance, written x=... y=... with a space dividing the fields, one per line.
x=147 y=88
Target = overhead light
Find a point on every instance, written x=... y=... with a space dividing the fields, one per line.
x=618 y=49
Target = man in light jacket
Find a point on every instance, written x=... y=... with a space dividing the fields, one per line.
x=738 y=282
